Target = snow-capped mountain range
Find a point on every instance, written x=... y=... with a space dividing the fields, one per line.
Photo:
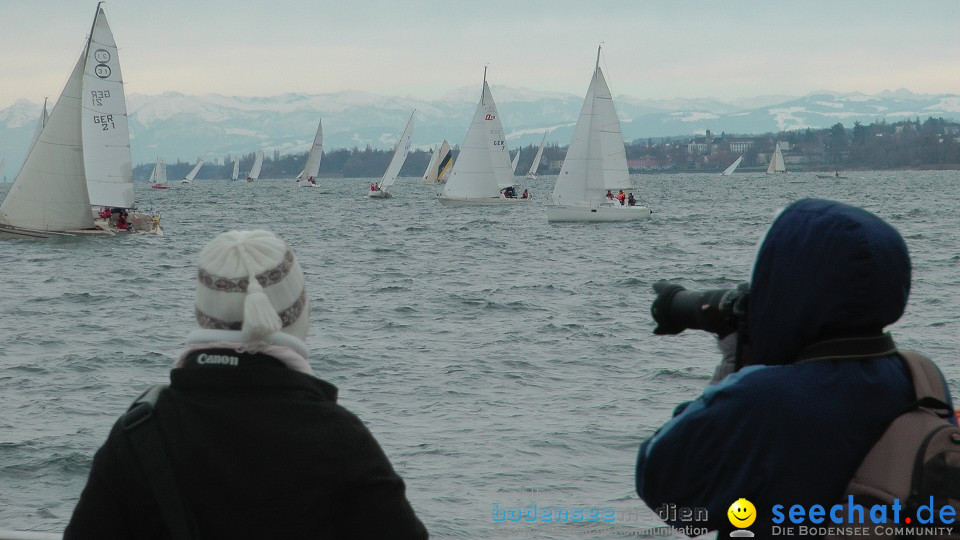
x=176 y=126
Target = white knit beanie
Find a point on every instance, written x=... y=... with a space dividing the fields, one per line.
x=250 y=281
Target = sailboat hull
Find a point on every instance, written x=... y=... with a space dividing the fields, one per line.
x=18 y=232
x=603 y=213
x=378 y=194
x=487 y=201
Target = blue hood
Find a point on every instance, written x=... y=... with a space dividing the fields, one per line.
x=824 y=270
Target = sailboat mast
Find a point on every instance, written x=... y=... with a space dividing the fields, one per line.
x=484 y=83
x=96 y=13
x=598 y=57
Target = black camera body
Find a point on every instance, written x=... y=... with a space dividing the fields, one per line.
x=720 y=311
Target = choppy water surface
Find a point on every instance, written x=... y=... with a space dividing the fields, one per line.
x=497 y=359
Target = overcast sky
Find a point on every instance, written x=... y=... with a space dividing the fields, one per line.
x=652 y=49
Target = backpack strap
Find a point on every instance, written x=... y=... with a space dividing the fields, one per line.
x=928 y=383
x=143 y=432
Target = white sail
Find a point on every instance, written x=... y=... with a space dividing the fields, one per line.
x=312 y=167
x=236 y=170
x=614 y=154
x=440 y=164
x=516 y=159
x=776 y=162
x=733 y=166
x=3 y=164
x=399 y=156
x=50 y=191
x=159 y=175
x=257 y=165
x=536 y=159
x=483 y=166
x=595 y=159
x=193 y=172
x=581 y=178
x=106 y=139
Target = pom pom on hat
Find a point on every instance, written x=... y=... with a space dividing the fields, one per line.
x=251 y=281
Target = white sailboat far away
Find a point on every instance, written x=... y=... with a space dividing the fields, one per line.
x=235 y=175
x=481 y=175
x=733 y=166
x=257 y=165
x=158 y=178
x=308 y=176
x=379 y=190
x=595 y=159
x=516 y=159
x=80 y=156
x=440 y=165
x=776 y=162
x=532 y=173
x=188 y=179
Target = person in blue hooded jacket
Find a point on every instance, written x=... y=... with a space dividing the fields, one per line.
x=783 y=428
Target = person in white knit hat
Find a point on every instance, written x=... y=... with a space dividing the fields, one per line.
x=251 y=444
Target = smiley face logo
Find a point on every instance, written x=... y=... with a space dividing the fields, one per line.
x=742 y=514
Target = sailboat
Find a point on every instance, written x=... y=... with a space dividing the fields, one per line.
x=595 y=158
x=733 y=166
x=307 y=177
x=516 y=159
x=379 y=190
x=440 y=165
x=158 y=178
x=482 y=176
x=776 y=162
x=81 y=155
x=532 y=174
x=236 y=169
x=257 y=165
x=193 y=172
x=3 y=164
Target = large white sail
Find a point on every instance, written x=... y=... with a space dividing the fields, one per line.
x=50 y=191
x=312 y=167
x=733 y=166
x=595 y=159
x=399 y=156
x=581 y=175
x=536 y=159
x=483 y=166
x=236 y=170
x=613 y=152
x=106 y=139
x=257 y=165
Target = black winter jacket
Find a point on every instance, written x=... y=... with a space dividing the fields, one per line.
x=259 y=451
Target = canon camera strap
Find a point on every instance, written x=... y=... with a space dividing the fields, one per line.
x=143 y=431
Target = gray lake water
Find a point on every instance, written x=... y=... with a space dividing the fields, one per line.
x=499 y=360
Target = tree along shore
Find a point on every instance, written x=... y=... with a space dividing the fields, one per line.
x=933 y=144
